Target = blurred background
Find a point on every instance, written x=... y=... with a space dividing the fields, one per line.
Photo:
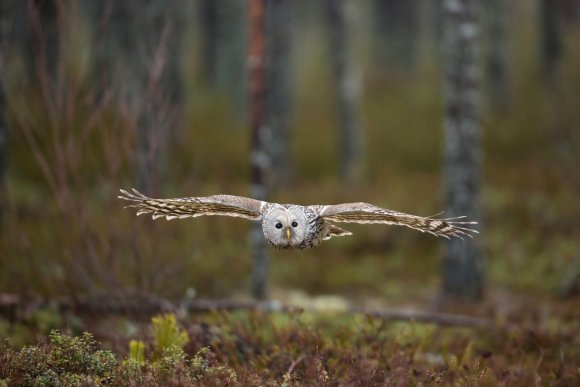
x=392 y=102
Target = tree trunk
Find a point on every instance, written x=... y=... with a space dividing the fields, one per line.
x=463 y=263
x=208 y=12
x=349 y=90
x=556 y=16
x=497 y=59
x=3 y=128
x=259 y=158
x=279 y=16
x=396 y=26
x=551 y=38
x=142 y=52
x=223 y=45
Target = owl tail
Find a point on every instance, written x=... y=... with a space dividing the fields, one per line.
x=335 y=231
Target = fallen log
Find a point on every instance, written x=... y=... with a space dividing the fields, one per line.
x=142 y=305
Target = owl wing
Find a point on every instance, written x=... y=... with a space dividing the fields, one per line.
x=368 y=213
x=179 y=208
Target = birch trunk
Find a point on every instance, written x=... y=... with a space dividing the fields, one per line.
x=463 y=263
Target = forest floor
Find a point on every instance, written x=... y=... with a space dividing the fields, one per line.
x=524 y=342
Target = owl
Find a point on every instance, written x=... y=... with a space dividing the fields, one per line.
x=292 y=226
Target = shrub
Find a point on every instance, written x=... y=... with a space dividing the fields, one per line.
x=167 y=334
x=63 y=361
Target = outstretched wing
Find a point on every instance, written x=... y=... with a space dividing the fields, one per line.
x=367 y=213
x=179 y=208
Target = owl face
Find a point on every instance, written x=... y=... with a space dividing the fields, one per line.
x=285 y=227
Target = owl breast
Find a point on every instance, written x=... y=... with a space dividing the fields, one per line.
x=315 y=230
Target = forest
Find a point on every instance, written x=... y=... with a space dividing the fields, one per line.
x=439 y=108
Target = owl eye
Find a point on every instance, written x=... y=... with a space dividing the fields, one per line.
x=294 y=224
x=278 y=225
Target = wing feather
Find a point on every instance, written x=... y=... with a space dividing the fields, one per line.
x=335 y=231
x=368 y=213
x=179 y=208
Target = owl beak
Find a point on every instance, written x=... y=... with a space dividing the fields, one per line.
x=288 y=233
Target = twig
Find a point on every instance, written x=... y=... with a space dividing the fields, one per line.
x=294 y=364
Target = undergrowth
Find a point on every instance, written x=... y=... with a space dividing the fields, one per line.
x=293 y=349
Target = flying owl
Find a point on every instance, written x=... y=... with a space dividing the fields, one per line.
x=292 y=226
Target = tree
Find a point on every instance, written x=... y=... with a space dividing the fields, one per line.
x=3 y=128
x=555 y=16
x=463 y=263
x=279 y=16
x=208 y=12
x=142 y=52
x=497 y=59
x=551 y=38
x=223 y=37
x=396 y=26
x=349 y=90
x=259 y=156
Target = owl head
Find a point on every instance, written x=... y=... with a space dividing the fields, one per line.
x=285 y=227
